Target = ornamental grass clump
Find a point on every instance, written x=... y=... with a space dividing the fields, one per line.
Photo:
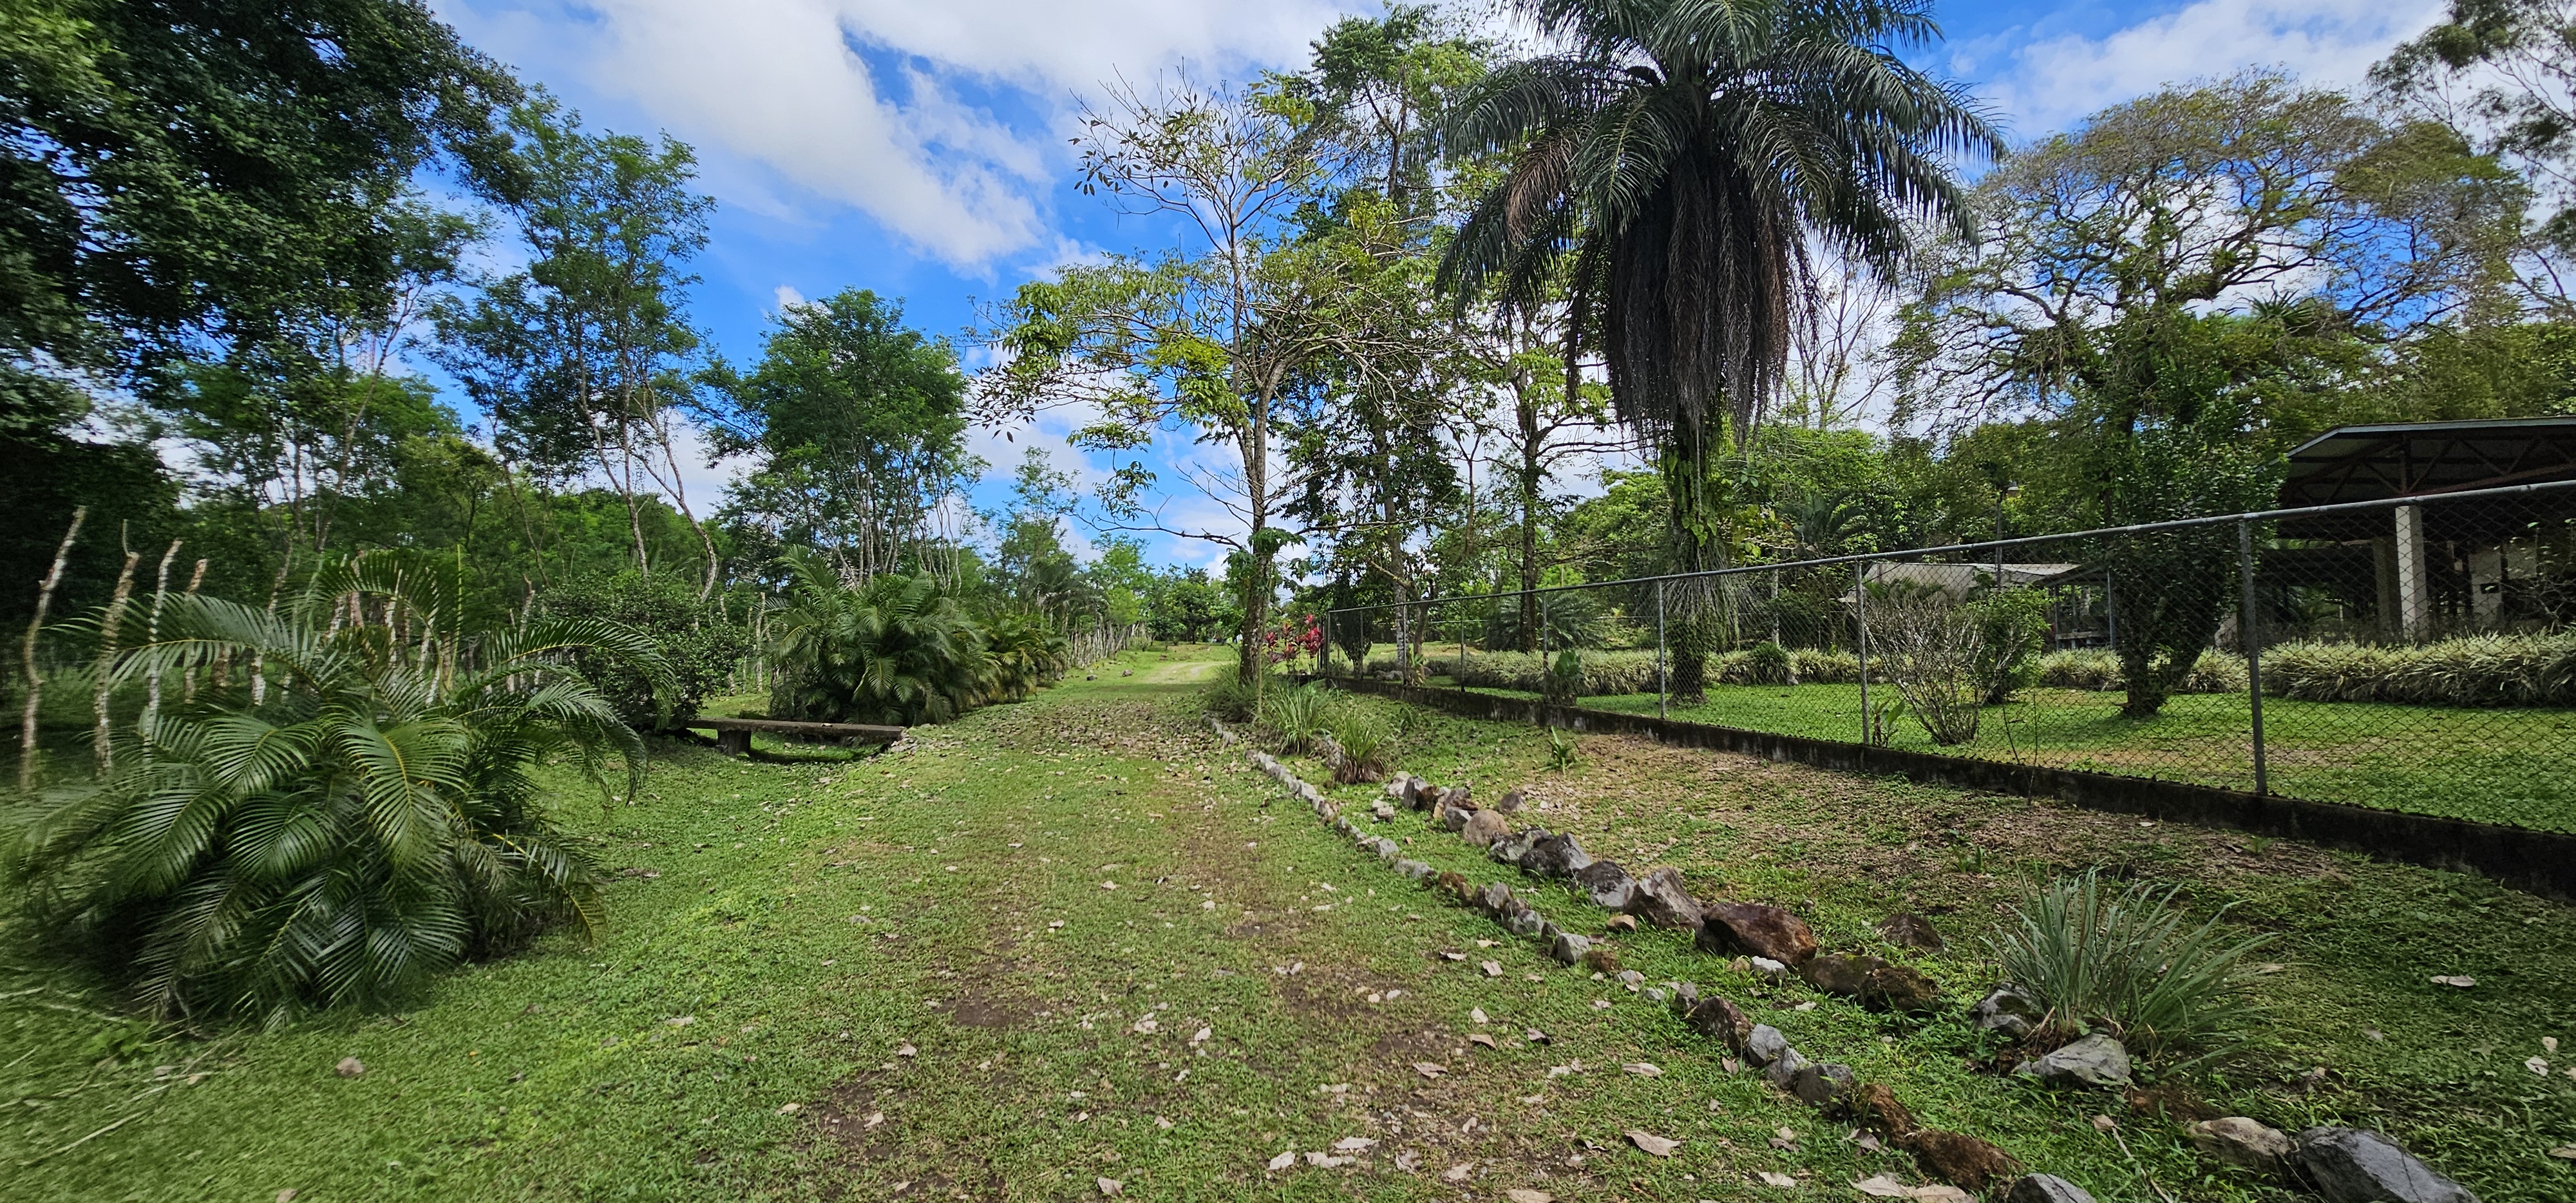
x=1361 y=739
x=1293 y=716
x=347 y=804
x=2130 y=961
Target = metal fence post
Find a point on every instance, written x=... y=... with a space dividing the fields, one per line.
x=1663 y=688
x=1462 y=656
x=2249 y=638
x=1860 y=619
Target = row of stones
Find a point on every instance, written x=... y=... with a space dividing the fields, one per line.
x=2345 y=1165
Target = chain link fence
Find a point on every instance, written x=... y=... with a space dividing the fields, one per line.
x=2416 y=655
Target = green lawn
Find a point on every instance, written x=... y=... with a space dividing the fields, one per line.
x=1013 y=895
x=2491 y=766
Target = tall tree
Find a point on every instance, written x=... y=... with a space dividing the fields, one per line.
x=1682 y=152
x=2184 y=286
x=583 y=357
x=855 y=427
x=1205 y=340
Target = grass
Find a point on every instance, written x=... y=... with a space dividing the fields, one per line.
x=810 y=920
x=2488 y=765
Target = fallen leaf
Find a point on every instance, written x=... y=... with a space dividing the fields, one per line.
x=1284 y=1160
x=1869 y=1141
x=2270 y=967
x=790 y=1108
x=1941 y=1192
x=1492 y=969
x=1478 y=1014
x=2104 y=1123
x=1536 y=1036
x=1109 y=1186
x=1784 y=1139
x=1161 y=1122
x=286 y=1196
x=681 y=1021
x=2536 y=1065
x=1145 y=1026
x=1458 y=1172
x=1783 y=1181
x=1651 y=1144
x=1644 y=1069
x=1408 y=1161
x=907 y=1051
x=1428 y=1069
x=2564 y=1152
x=1522 y=1194
x=1730 y=1065
x=1883 y=1187
x=1200 y=1037
x=1326 y=1161
x=1453 y=956
x=2463 y=981
x=2549 y=1045
x=1352 y=1144
x=874 y=1118
x=1483 y=1039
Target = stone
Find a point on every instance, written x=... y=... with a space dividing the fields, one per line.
x=2244 y=1143
x=1413 y=869
x=1608 y=885
x=2351 y=1165
x=1418 y=793
x=1685 y=996
x=1452 y=818
x=1509 y=803
x=1764 y=1044
x=1959 y=1158
x=2008 y=1011
x=1525 y=923
x=1783 y=1069
x=1396 y=788
x=1905 y=929
x=1878 y=1107
x=1494 y=899
x=2046 y=1188
x=1383 y=812
x=1661 y=900
x=1569 y=947
x=1484 y=828
x=1765 y=967
x=1555 y=856
x=1621 y=923
x=1387 y=850
x=1872 y=981
x=1764 y=931
x=1822 y=1085
x=1601 y=958
x=1457 y=797
x=1454 y=884
x=1719 y=1018
x=2096 y=1060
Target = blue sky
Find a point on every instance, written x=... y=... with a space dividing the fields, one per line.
x=918 y=149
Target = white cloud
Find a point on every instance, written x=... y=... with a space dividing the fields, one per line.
x=2052 y=83
x=780 y=87
x=787 y=297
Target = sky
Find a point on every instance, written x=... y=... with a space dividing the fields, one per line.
x=920 y=150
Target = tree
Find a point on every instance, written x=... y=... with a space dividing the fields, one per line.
x=582 y=357
x=1681 y=152
x=855 y=427
x=1202 y=342
x=2174 y=285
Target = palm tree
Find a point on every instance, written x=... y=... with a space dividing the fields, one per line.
x=348 y=805
x=896 y=650
x=1681 y=153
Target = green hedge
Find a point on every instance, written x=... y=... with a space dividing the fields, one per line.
x=2096 y=669
x=2472 y=670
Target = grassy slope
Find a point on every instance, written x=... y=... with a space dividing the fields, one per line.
x=559 y=1074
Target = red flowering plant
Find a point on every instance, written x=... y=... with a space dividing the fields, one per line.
x=1295 y=636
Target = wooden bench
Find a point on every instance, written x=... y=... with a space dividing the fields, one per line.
x=733 y=735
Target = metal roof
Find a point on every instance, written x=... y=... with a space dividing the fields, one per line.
x=2416 y=459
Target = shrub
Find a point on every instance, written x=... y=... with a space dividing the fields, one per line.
x=1229 y=697
x=371 y=819
x=1602 y=672
x=1931 y=646
x=1769 y=664
x=2098 y=669
x=2012 y=628
x=2129 y=960
x=696 y=644
x=2472 y=670
x=897 y=650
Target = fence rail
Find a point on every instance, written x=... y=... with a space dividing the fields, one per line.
x=2415 y=655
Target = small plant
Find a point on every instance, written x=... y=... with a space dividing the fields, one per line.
x=1230 y=697
x=1565 y=678
x=2128 y=960
x=1563 y=749
x=1293 y=716
x=1361 y=740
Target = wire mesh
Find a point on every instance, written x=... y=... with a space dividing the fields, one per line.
x=2416 y=656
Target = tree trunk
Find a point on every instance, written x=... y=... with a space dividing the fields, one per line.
x=1696 y=609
